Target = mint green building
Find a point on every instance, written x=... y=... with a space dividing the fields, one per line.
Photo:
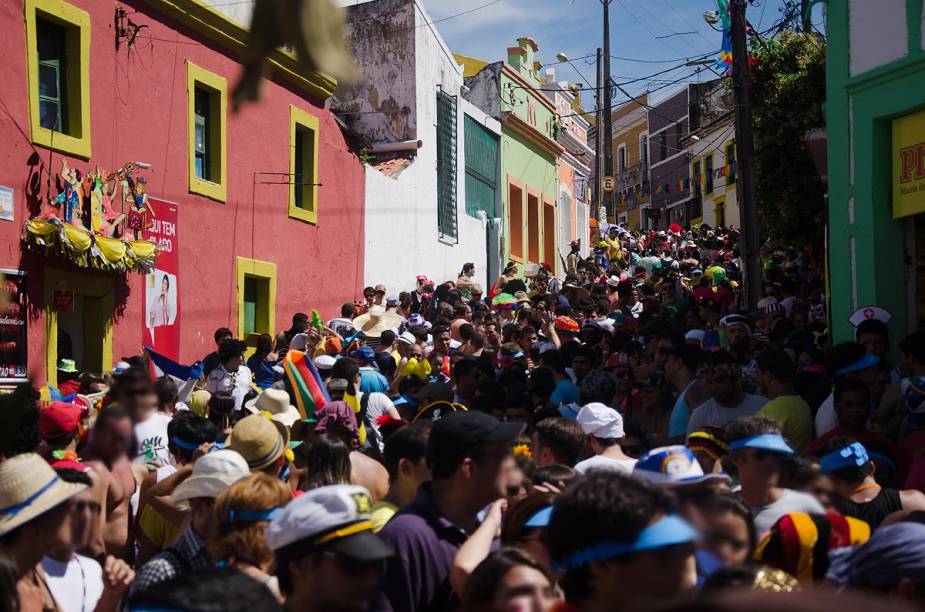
x=875 y=113
x=510 y=92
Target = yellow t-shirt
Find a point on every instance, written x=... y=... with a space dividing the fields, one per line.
x=382 y=513
x=795 y=419
x=156 y=527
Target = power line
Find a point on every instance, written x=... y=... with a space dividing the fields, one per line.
x=642 y=5
x=645 y=26
x=679 y=14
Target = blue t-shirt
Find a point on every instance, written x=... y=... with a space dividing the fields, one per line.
x=372 y=381
x=264 y=374
x=566 y=393
x=680 y=414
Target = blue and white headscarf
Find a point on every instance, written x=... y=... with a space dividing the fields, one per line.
x=893 y=552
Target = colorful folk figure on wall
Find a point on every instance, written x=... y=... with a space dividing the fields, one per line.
x=70 y=199
x=138 y=218
x=82 y=224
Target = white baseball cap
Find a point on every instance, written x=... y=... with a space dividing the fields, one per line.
x=600 y=420
x=672 y=466
x=407 y=337
x=335 y=517
x=695 y=335
x=325 y=362
x=212 y=474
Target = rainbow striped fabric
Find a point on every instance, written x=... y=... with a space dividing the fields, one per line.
x=310 y=393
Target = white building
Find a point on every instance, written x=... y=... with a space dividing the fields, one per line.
x=428 y=211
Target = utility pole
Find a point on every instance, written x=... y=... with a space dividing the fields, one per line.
x=745 y=155
x=608 y=118
x=807 y=16
x=598 y=140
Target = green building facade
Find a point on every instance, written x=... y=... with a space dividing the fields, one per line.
x=510 y=92
x=875 y=112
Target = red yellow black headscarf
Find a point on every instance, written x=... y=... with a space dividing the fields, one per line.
x=799 y=543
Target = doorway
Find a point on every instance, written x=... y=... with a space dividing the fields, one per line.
x=78 y=321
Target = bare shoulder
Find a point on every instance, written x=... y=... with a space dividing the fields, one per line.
x=369 y=473
x=912 y=499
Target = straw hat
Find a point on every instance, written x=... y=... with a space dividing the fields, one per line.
x=29 y=487
x=376 y=321
x=259 y=440
x=276 y=402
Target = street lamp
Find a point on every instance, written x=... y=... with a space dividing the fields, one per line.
x=562 y=58
x=712 y=18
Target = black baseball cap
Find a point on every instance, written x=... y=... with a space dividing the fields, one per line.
x=458 y=432
x=434 y=392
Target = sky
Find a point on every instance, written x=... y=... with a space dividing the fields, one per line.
x=486 y=28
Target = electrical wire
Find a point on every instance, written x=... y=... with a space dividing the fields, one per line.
x=641 y=4
x=683 y=18
x=645 y=26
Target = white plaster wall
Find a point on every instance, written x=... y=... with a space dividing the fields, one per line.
x=877 y=32
x=401 y=211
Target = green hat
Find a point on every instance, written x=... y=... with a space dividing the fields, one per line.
x=67 y=365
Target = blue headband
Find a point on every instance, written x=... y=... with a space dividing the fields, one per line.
x=183 y=443
x=540 y=518
x=853 y=455
x=670 y=531
x=239 y=516
x=15 y=509
x=867 y=361
x=770 y=442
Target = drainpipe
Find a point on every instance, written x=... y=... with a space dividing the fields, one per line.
x=392 y=147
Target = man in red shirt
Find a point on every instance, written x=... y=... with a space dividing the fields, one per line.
x=852 y=407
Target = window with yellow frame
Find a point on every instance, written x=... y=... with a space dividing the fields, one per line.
x=303 y=165
x=207 y=118
x=256 y=296
x=58 y=73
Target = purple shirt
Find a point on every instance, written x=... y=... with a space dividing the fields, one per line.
x=417 y=578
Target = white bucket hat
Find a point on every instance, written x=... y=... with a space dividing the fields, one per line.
x=212 y=474
x=29 y=487
x=276 y=402
x=601 y=421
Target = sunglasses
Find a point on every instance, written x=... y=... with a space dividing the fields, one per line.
x=761 y=454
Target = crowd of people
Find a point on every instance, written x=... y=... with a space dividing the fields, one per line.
x=628 y=437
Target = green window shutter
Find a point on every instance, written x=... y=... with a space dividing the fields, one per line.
x=481 y=168
x=51 y=42
x=446 y=165
x=250 y=305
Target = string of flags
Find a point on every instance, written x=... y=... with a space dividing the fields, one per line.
x=631 y=195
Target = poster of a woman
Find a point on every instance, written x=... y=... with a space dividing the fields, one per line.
x=162 y=300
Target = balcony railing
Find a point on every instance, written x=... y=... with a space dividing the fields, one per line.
x=632 y=176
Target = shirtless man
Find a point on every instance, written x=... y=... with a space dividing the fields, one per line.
x=107 y=454
x=369 y=473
